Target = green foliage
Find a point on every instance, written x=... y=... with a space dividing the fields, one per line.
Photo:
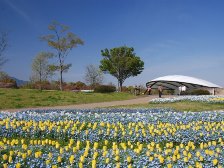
x=105 y=89
x=63 y=42
x=196 y=92
x=121 y=63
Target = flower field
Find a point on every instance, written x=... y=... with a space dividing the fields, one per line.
x=110 y=138
x=204 y=98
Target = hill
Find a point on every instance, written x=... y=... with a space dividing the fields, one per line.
x=19 y=82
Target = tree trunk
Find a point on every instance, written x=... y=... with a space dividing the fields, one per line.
x=120 y=83
x=61 y=82
x=40 y=84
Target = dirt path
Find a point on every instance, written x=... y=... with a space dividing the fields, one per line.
x=140 y=100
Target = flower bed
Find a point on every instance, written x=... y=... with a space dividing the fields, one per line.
x=204 y=98
x=112 y=138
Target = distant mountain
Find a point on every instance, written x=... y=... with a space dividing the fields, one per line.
x=19 y=82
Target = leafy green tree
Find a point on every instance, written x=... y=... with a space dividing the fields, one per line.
x=63 y=42
x=3 y=47
x=41 y=68
x=93 y=75
x=121 y=63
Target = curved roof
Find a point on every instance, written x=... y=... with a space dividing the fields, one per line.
x=175 y=81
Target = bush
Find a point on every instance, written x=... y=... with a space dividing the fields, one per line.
x=200 y=92
x=105 y=89
x=196 y=92
x=6 y=81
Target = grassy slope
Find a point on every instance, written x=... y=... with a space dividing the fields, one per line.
x=182 y=106
x=20 y=98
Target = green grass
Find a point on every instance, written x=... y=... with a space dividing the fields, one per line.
x=181 y=106
x=24 y=98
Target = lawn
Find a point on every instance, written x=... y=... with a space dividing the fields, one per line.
x=22 y=98
x=181 y=106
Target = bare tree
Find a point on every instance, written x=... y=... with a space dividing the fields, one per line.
x=63 y=42
x=3 y=47
x=93 y=75
x=42 y=70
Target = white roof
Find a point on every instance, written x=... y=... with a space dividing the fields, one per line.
x=174 y=81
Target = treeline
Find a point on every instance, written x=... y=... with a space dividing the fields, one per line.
x=120 y=62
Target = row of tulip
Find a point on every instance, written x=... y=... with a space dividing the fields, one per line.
x=112 y=138
x=203 y=98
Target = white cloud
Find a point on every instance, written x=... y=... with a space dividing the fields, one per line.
x=19 y=11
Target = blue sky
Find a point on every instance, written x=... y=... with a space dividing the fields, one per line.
x=182 y=37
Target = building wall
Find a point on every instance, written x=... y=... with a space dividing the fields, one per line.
x=220 y=91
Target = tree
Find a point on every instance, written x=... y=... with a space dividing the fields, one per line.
x=121 y=63
x=42 y=70
x=3 y=47
x=93 y=75
x=63 y=42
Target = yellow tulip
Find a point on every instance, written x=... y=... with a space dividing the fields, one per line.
x=215 y=162
x=107 y=160
x=201 y=158
x=218 y=150
x=129 y=159
x=185 y=153
x=74 y=149
x=59 y=159
x=61 y=150
x=80 y=165
x=10 y=159
x=169 y=165
x=185 y=159
x=189 y=155
x=181 y=145
x=161 y=159
x=11 y=153
x=5 y=165
x=50 y=155
x=93 y=163
x=104 y=153
x=129 y=166
x=95 y=146
x=48 y=162
x=57 y=145
x=198 y=165
x=117 y=158
x=106 y=142
x=71 y=159
x=174 y=158
x=82 y=159
x=24 y=155
x=29 y=152
x=5 y=157
x=18 y=165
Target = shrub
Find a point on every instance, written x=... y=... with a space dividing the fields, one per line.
x=200 y=92
x=196 y=92
x=105 y=89
x=6 y=81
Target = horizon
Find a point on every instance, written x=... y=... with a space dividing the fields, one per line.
x=171 y=37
